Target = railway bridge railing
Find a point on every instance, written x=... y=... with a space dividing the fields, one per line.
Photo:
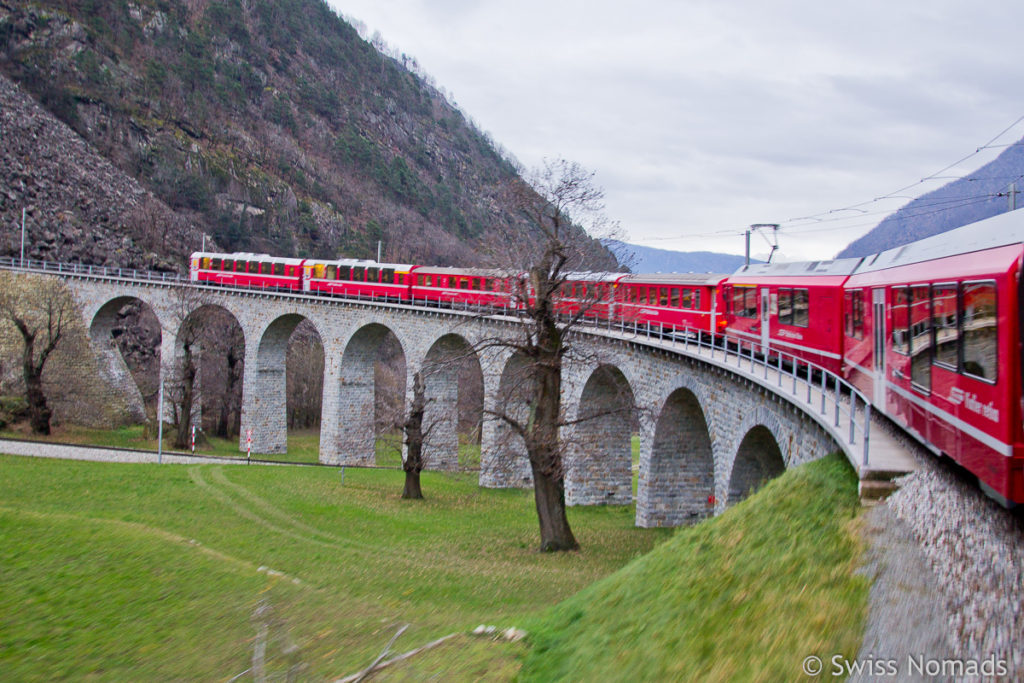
x=837 y=406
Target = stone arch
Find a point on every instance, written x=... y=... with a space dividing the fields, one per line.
x=677 y=484
x=105 y=333
x=599 y=467
x=357 y=394
x=447 y=359
x=758 y=459
x=503 y=459
x=195 y=339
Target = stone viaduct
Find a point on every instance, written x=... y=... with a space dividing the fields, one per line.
x=708 y=432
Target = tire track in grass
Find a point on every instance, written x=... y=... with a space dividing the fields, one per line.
x=196 y=476
x=366 y=550
x=266 y=507
x=147 y=530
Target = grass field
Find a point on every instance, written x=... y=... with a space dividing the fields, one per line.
x=147 y=572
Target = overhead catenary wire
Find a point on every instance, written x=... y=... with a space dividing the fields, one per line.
x=802 y=224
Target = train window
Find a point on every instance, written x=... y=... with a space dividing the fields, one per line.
x=920 y=337
x=332 y=272
x=900 y=320
x=945 y=323
x=785 y=306
x=744 y=302
x=801 y=308
x=254 y=266
x=674 y=301
x=373 y=274
x=853 y=313
x=978 y=325
x=663 y=296
x=696 y=299
x=687 y=297
x=387 y=275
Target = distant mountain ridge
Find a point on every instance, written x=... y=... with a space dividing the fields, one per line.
x=983 y=194
x=642 y=259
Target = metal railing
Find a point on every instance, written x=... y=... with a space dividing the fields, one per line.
x=790 y=373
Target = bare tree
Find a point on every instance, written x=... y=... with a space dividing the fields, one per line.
x=40 y=309
x=415 y=435
x=556 y=200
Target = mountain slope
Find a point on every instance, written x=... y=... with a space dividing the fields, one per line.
x=270 y=124
x=980 y=195
x=85 y=211
x=642 y=259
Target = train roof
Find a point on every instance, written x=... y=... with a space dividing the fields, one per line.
x=989 y=233
x=843 y=266
x=675 y=278
x=588 y=276
x=468 y=272
x=247 y=256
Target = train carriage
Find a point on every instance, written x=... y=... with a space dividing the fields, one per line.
x=687 y=301
x=592 y=294
x=938 y=345
x=246 y=270
x=359 y=278
x=471 y=286
x=791 y=308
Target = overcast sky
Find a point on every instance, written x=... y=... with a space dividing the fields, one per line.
x=700 y=118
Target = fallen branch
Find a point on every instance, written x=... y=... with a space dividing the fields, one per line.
x=379 y=665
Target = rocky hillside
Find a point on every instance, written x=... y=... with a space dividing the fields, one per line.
x=269 y=125
x=78 y=206
x=980 y=195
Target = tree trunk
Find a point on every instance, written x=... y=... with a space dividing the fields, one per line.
x=544 y=448
x=413 y=428
x=549 y=496
x=188 y=379
x=412 y=488
x=39 y=412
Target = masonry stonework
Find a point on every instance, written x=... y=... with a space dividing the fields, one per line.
x=706 y=433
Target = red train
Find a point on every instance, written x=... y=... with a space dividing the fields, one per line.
x=929 y=331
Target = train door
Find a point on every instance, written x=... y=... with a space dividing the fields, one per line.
x=878 y=349
x=766 y=310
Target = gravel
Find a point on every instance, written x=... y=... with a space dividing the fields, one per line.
x=948 y=565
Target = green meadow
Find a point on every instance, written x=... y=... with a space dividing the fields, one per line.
x=148 y=572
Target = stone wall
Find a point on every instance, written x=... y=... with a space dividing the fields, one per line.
x=697 y=422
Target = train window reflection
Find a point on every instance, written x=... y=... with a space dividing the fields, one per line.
x=978 y=316
x=900 y=320
x=801 y=308
x=786 y=306
x=945 y=324
x=920 y=337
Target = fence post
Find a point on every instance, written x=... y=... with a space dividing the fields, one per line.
x=867 y=430
x=822 y=392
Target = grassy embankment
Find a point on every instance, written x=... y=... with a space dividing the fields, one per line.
x=744 y=596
